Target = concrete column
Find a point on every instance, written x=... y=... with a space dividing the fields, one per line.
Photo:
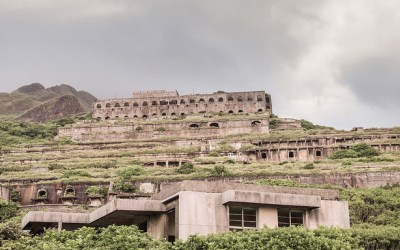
x=59 y=228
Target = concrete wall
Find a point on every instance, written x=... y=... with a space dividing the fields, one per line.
x=201 y=213
x=4 y=193
x=267 y=217
x=191 y=129
x=330 y=214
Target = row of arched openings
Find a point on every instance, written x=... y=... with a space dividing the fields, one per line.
x=175 y=102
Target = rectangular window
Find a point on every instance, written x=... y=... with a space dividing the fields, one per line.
x=287 y=217
x=242 y=217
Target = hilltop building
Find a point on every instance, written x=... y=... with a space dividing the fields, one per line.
x=170 y=104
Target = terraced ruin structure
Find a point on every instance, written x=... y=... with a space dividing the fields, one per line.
x=135 y=148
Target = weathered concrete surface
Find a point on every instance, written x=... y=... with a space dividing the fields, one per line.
x=41 y=216
x=267 y=217
x=232 y=196
x=220 y=187
x=141 y=131
x=330 y=214
x=156 y=226
x=131 y=206
x=201 y=213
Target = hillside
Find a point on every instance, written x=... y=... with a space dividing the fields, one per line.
x=34 y=102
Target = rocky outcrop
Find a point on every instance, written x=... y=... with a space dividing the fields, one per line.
x=25 y=101
x=54 y=109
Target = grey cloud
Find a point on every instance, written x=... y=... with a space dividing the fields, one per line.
x=293 y=49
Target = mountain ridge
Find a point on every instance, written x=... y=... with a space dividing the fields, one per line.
x=33 y=102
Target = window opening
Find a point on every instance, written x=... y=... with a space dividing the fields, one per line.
x=242 y=217
x=287 y=217
x=214 y=124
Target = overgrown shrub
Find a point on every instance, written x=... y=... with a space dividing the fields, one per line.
x=219 y=170
x=7 y=210
x=75 y=173
x=10 y=230
x=309 y=166
x=380 y=206
x=109 y=238
x=96 y=191
x=186 y=168
x=160 y=129
x=279 y=238
x=124 y=186
x=129 y=171
x=355 y=151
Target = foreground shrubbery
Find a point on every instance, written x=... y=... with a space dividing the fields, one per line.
x=129 y=237
x=112 y=237
x=380 y=206
x=280 y=238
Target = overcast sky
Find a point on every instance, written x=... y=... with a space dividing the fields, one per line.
x=335 y=62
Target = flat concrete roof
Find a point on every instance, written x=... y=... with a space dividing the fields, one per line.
x=220 y=187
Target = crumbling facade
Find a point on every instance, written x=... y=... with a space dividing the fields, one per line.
x=169 y=104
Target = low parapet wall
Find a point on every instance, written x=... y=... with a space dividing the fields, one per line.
x=193 y=129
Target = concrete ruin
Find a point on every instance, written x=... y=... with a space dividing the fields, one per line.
x=193 y=207
x=169 y=104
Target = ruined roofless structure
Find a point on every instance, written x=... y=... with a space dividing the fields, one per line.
x=169 y=104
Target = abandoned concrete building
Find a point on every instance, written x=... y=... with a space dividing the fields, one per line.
x=170 y=104
x=196 y=207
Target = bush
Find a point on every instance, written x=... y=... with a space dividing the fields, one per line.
x=124 y=186
x=380 y=206
x=273 y=123
x=10 y=230
x=309 y=166
x=279 y=238
x=7 y=210
x=213 y=154
x=96 y=191
x=219 y=170
x=138 y=128
x=160 y=129
x=186 y=168
x=230 y=161
x=74 y=173
x=110 y=238
x=356 y=151
x=307 y=125
x=129 y=171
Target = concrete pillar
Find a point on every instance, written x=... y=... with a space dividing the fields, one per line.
x=59 y=228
